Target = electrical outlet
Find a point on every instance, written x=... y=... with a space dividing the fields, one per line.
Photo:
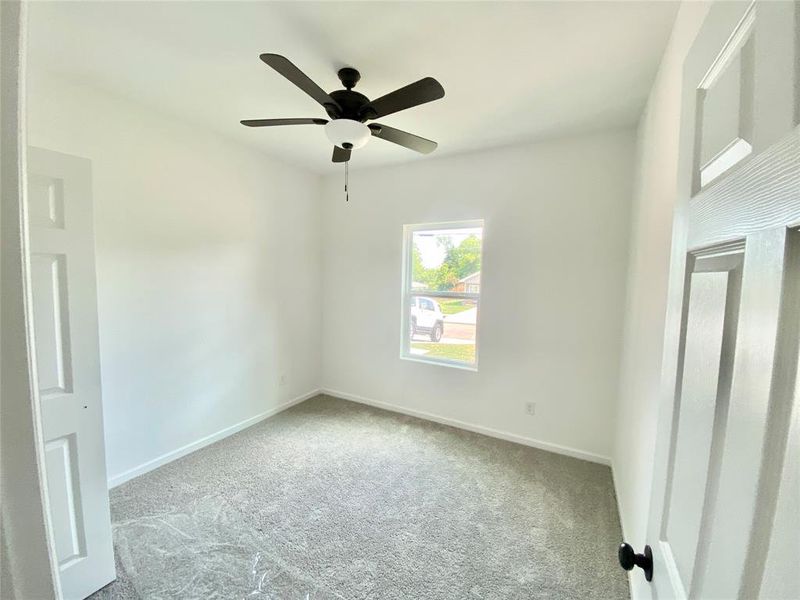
x=283 y=380
x=530 y=408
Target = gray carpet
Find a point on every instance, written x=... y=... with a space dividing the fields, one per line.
x=331 y=499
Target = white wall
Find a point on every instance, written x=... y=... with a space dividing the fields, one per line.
x=208 y=263
x=648 y=278
x=555 y=255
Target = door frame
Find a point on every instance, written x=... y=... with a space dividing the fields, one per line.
x=26 y=525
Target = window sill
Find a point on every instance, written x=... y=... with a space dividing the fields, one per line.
x=441 y=363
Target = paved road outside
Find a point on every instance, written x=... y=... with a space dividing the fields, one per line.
x=466 y=317
x=461 y=326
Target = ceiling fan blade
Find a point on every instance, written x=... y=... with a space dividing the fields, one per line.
x=340 y=154
x=414 y=94
x=286 y=68
x=408 y=140
x=274 y=122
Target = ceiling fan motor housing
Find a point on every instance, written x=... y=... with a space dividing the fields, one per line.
x=351 y=105
x=347 y=129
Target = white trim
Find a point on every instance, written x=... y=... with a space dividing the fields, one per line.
x=619 y=502
x=672 y=570
x=727 y=158
x=625 y=537
x=205 y=441
x=736 y=40
x=456 y=364
x=488 y=431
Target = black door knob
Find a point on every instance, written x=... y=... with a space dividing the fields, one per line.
x=629 y=559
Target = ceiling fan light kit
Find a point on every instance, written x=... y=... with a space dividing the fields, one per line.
x=347 y=133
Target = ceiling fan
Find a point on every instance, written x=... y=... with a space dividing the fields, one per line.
x=350 y=110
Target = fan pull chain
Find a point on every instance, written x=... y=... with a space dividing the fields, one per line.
x=346 y=177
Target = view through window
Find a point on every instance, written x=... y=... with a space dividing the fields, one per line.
x=441 y=292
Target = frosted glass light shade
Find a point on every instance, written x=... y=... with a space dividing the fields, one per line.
x=347 y=131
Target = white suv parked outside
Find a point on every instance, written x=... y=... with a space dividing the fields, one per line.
x=426 y=318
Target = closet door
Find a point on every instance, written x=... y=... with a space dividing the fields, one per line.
x=68 y=368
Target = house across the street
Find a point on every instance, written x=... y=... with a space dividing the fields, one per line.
x=471 y=284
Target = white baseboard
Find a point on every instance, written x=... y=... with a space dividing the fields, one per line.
x=223 y=433
x=619 y=500
x=495 y=433
x=202 y=442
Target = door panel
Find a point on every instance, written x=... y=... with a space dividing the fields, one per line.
x=701 y=412
x=725 y=105
x=48 y=277
x=767 y=291
x=740 y=78
x=45 y=201
x=68 y=369
x=730 y=520
x=724 y=505
x=64 y=494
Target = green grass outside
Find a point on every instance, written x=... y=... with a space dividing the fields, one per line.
x=451 y=307
x=463 y=352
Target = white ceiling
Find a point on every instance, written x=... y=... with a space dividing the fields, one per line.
x=512 y=71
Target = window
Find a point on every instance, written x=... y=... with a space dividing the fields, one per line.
x=441 y=292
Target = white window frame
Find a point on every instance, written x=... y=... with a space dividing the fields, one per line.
x=406 y=293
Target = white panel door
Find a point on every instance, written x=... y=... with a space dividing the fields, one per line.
x=724 y=519
x=68 y=368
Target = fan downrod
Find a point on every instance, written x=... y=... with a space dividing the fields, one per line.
x=349 y=77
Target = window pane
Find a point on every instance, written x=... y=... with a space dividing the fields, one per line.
x=446 y=260
x=443 y=328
